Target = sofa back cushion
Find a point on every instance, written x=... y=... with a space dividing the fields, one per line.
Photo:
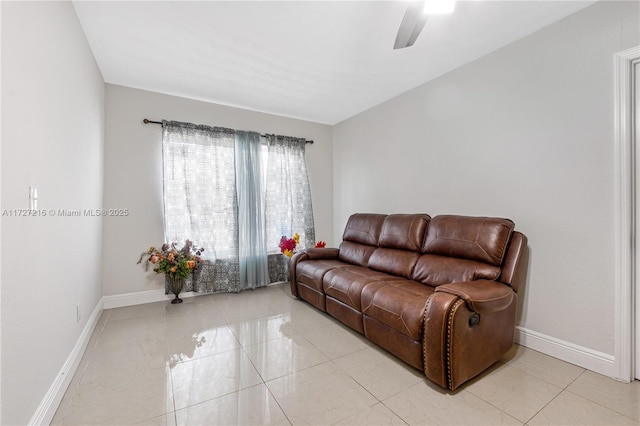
x=404 y=231
x=355 y=253
x=481 y=239
x=401 y=239
x=360 y=238
x=364 y=228
x=434 y=270
x=393 y=261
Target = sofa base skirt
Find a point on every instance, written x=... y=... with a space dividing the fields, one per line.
x=345 y=314
x=404 y=347
x=312 y=296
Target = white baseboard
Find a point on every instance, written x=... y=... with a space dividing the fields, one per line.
x=141 y=297
x=584 y=357
x=47 y=408
x=49 y=404
x=150 y=296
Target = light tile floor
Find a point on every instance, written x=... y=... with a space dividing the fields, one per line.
x=263 y=357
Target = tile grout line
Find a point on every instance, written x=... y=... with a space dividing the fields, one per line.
x=493 y=405
x=378 y=401
x=505 y=365
x=173 y=394
x=278 y=402
x=394 y=413
x=73 y=393
x=595 y=402
x=554 y=398
x=602 y=406
x=262 y=378
x=173 y=390
x=264 y=382
x=82 y=372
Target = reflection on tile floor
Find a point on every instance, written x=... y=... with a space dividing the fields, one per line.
x=262 y=357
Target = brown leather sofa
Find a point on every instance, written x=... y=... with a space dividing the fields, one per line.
x=439 y=293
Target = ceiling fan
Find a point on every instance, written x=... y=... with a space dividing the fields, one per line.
x=416 y=17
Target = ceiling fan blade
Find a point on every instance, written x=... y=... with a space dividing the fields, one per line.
x=411 y=26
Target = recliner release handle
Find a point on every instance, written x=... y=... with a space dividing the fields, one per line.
x=474 y=319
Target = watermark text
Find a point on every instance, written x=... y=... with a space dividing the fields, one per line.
x=65 y=212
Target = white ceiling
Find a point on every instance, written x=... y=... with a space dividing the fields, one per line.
x=322 y=61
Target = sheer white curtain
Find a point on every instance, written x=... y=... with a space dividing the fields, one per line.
x=288 y=195
x=227 y=193
x=200 y=200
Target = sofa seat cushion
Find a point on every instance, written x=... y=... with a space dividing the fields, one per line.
x=346 y=284
x=400 y=305
x=312 y=272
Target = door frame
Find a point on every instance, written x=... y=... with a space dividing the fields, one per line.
x=627 y=170
x=636 y=287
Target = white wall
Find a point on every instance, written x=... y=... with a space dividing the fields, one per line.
x=526 y=133
x=133 y=173
x=52 y=138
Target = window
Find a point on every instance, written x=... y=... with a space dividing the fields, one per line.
x=201 y=183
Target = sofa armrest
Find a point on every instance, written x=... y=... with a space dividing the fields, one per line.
x=308 y=254
x=481 y=296
x=320 y=253
x=457 y=344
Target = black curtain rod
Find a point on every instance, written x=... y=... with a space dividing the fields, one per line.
x=147 y=121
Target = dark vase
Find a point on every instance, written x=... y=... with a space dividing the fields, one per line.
x=175 y=286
